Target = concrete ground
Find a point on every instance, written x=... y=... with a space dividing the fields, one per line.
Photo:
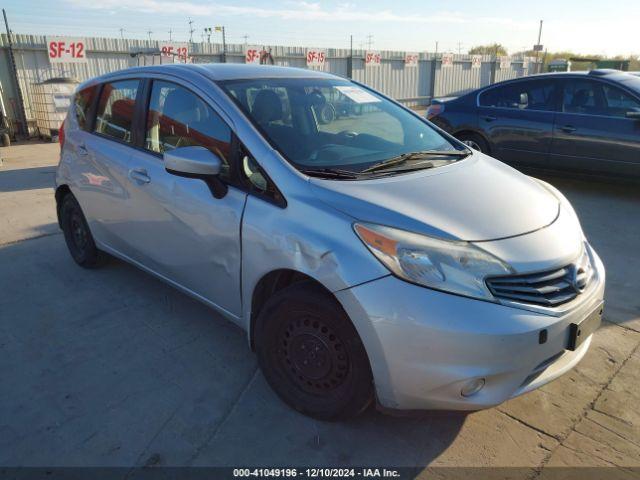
x=111 y=367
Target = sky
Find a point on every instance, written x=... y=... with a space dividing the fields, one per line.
x=581 y=26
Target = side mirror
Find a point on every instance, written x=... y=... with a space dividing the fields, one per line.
x=196 y=162
x=633 y=114
x=524 y=100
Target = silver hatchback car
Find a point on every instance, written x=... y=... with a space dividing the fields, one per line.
x=368 y=254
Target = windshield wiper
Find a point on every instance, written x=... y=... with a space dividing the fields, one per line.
x=330 y=173
x=405 y=157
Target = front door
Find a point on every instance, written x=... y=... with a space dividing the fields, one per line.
x=176 y=227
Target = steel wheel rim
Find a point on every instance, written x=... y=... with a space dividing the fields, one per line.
x=313 y=355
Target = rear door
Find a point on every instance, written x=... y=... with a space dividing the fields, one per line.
x=103 y=176
x=592 y=133
x=517 y=118
x=175 y=226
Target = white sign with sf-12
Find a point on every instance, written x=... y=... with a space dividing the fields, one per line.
x=66 y=50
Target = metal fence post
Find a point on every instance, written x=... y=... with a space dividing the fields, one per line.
x=24 y=128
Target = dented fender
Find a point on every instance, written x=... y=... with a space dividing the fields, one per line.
x=307 y=236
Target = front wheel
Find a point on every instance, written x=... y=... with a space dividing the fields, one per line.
x=475 y=141
x=311 y=354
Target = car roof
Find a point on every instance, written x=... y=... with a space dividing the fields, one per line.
x=217 y=72
x=631 y=81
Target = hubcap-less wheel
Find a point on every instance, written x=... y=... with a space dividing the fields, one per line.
x=313 y=356
x=79 y=233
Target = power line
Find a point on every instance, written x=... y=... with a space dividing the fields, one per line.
x=170 y=32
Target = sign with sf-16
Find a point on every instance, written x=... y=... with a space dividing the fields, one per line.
x=66 y=50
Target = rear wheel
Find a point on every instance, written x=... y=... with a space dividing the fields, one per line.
x=311 y=354
x=475 y=141
x=77 y=235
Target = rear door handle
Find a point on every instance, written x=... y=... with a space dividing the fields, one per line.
x=140 y=175
x=568 y=129
x=489 y=118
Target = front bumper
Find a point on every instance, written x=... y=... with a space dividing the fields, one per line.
x=425 y=346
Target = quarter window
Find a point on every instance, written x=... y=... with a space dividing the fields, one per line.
x=116 y=109
x=179 y=118
x=83 y=101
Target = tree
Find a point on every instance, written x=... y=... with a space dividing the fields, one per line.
x=495 y=49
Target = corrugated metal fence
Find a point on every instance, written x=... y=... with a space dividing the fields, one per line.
x=413 y=86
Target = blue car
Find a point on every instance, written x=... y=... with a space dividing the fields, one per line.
x=580 y=122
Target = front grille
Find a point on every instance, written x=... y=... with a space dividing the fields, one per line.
x=549 y=288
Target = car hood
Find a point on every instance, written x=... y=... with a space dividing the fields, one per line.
x=475 y=199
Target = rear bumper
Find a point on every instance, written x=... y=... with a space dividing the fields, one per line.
x=425 y=346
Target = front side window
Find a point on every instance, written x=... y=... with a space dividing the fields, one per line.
x=319 y=123
x=114 y=117
x=532 y=95
x=83 y=101
x=589 y=97
x=619 y=102
x=179 y=118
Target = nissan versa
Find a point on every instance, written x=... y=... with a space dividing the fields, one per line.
x=368 y=254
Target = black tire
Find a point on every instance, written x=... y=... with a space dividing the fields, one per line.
x=311 y=354
x=474 y=141
x=6 y=140
x=77 y=235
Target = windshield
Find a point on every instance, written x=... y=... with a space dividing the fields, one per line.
x=322 y=125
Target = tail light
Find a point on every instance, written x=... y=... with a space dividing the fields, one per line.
x=61 y=135
x=434 y=110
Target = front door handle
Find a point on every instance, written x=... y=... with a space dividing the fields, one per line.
x=140 y=175
x=489 y=118
x=568 y=129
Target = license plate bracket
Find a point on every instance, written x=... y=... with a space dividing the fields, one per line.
x=579 y=332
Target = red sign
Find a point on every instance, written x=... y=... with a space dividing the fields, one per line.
x=372 y=59
x=176 y=50
x=66 y=50
x=316 y=57
x=411 y=59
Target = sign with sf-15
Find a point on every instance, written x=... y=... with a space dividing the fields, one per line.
x=66 y=50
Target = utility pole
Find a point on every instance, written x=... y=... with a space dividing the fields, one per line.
x=538 y=51
x=436 y=47
x=369 y=41
x=191 y=30
x=170 y=32
x=224 y=43
x=245 y=38
x=12 y=62
x=121 y=33
x=459 y=48
x=149 y=32
x=207 y=32
x=350 y=63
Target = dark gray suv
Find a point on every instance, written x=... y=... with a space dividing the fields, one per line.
x=587 y=123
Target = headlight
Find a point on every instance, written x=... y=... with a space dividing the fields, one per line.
x=452 y=266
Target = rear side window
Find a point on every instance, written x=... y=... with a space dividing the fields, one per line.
x=179 y=118
x=83 y=101
x=533 y=95
x=114 y=117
